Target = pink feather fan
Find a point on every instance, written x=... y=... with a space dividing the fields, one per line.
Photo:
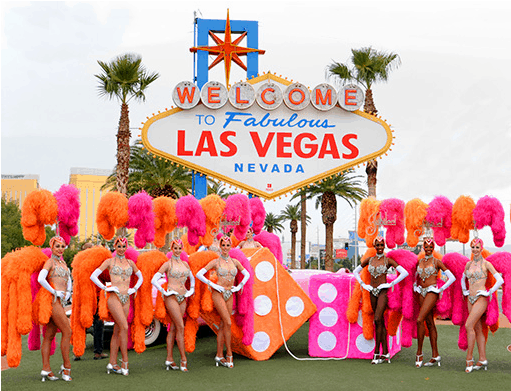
x=68 y=200
x=489 y=211
x=393 y=216
x=141 y=217
x=237 y=208
x=439 y=217
x=258 y=214
x=190 y=214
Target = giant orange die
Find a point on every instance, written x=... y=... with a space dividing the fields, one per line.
x=281 y=307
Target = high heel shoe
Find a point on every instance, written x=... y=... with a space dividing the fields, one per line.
x=484 y=364
x=218 y=360
x=182 y=366
x=65 y=377
x=376 y=359
x=48 y=375
x=112 y=368
x=433 y=361
x=229 y=363
x=171 y=365
x=418 y=363
x=469 y=368
x=385 y=357
x=124 y=371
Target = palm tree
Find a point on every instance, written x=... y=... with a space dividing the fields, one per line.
x=124 y=78
x=216 y=187
x=293 y=213
x=326 y=192
x=367 y=67
x=156 y=176
x=303 y=225
x=273 y=223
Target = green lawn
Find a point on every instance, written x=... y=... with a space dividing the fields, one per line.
x=281 y=372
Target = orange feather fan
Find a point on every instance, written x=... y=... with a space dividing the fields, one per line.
x=415 y=212
x=213 y=207
x=165 y=219
x=369 y=210
x=40 y=208
x=462 y=220
x=85 y=293
x=17 y=268
x=112 y=213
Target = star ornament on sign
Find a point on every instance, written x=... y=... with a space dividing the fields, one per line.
x=227 y=50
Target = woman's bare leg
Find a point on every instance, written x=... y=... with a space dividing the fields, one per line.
x=49 y=334
x=224 y=309
x=62 y=322
x=426 y=315
x=176 y=313
x=119 y=313
x=475 y=311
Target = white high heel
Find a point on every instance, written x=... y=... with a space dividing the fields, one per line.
x=433 y=361
x=229 y=363
x=171 y=365
x=124 y=371
x=484 y=364
x=48 y=375
x=218 y=360
x=418 y=363
x=64 y=376
x=469 y=368
x=385 y=357
x=182 y=366
x=112 y=368
x=376 y=359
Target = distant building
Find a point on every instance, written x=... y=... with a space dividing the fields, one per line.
x=89 y=182
x=17 y=187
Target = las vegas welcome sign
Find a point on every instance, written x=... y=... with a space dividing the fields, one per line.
x=267 y=136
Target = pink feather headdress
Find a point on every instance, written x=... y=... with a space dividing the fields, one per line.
x=489 y=211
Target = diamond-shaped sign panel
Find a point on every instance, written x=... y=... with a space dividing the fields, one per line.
x=295 y=307
x=267 y=149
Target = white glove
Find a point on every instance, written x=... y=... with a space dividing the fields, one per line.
x=217 y=287
x=112 y=289
x=94 y=277
x=131 y=291
x=155 y=283
x=170 y=293
x=434 y=289
x=464 y=289
x=449 y=281
x=367 y=287
x=201 y=277
x=60 y=294
x=384 y=286
x=498 y=283
x=236 y=288
x=483 y=292
x=190 y=292
x=402 y=275
x=41 y=278
x=68 y=296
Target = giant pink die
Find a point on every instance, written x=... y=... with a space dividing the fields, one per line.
x=330 y=333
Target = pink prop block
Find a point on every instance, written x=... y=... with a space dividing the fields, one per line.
x=330 y=333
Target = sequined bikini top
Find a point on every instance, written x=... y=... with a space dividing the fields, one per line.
x=227 y=273
x=474 y=276
x=117 y=270
x=177 y=273
x=377 y=271
x=59 y=271
x=425 y=273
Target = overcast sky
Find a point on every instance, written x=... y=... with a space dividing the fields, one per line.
x=448 y=102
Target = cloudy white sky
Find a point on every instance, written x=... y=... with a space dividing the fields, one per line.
x=448 y=102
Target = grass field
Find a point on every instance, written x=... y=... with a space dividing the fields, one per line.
x=281 y=372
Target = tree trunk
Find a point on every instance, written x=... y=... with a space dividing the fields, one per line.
x=329 y=247
x=294 y=230
x=270 y=230
x=329 y=215
x=371 y=171
x=303 y=227
x=369 y=106
x=123 y=150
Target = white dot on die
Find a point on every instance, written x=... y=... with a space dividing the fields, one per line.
x=327 y=292
x=295 y=306
x=364 y=345
x=264 y=271
x=262 y=305
x=328 y=317
x=261 y=341
x=327 y=341
x=360 y=321
x=390 y=342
